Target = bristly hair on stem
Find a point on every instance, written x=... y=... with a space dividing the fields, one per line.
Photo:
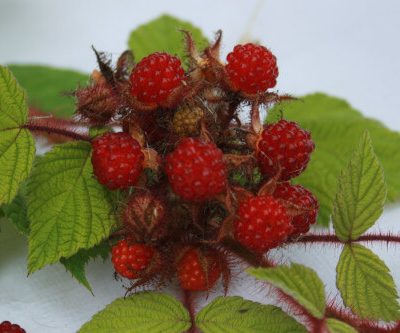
x=188 y=302
x=55 y=129
x=333 y=239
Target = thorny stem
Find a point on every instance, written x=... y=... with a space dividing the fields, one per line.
x=57 y=131
x=48 y=124
x=363 y=326
x=188 y=302
x=317 y=325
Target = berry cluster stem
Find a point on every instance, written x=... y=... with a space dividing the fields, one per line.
x=188 y=302
x=57 y=131
x=331 y=238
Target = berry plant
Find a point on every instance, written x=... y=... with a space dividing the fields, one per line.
x=167 y=165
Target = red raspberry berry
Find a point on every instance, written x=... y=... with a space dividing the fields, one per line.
x=130 y=259
x=7 y=327
x=251 y=68
x=284 y=145
x=196 y=170
x=155 y=77
x=262 y=223
x=198 y=271
x=117 y=160
x=299 y=196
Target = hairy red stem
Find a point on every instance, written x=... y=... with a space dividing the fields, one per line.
x=57 y=131
x=317 y=325
x=362 y=326
x=331 y=238
x=188 y=302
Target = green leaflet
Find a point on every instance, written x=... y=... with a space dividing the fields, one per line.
x=149 y=312
x=297 y=281
x=77 y=263
x=361 y=194
x=162 y=34
x=237 y=315
x=366 y=285
x=17 y=148
x=17 y=213
x=336 y=128
x=48 y=87
x=337 y=326
x=68 y=209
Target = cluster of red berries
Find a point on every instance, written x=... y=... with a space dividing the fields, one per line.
x=7 y=327
x=182 y=202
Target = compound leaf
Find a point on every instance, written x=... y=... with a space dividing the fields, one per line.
x=297 y=281
x=361 y=193
x=366 y=285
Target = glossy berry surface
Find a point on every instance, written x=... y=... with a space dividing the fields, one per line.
x=262 y=223
x=155 y=77
x=304 y=199
x=251 y=68
x=130 y=259
x=117 y=160
x=286 y=146
x=196 y=170
x=7 y=327
x=198 y=271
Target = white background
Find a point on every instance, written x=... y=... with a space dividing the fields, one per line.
x=345 y=48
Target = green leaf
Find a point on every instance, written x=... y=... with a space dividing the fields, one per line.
x=361 y=194
x=297 y=281
x=366 y=285
x=17 y=148
x=68 y=209
x=48 y=87
x=163 y=34
x=237 y=315
x=17 y=213
x=77 y=263
x=148 y=312
x=337 y=326
x=336 y=129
